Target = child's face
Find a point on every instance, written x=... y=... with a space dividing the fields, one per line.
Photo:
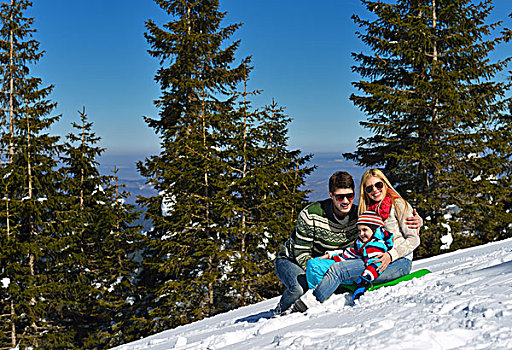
x=365 y=233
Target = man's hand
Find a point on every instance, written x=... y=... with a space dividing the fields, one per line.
x=384 y=259
x=414 y=222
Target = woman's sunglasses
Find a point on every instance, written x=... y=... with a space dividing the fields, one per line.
x=339 y=197
x=379 y=185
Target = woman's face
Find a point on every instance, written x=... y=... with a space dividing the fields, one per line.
x=375 y=189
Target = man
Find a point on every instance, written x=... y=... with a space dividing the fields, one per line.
x=325 y=225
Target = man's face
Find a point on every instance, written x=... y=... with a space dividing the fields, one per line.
x=342 y=200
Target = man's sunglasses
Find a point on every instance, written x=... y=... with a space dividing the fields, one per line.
x=379 y=185
x=340 y=197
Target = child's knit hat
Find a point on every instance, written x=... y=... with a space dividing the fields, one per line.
x=371 y=219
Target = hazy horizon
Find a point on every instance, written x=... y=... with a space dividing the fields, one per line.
x=327 y=163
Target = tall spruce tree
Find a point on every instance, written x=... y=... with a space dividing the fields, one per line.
x=29 y=189
x=285 y=196
x=120 y=269
x=196 y=77
x=437 y=115
x=227 y=184
x=96 y=261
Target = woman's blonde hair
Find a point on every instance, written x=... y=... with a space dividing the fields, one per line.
x=388 y=190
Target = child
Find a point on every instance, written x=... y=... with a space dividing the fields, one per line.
x=373 y=240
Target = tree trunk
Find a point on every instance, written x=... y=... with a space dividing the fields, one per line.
x=11 y=95
x=82 y=169
x=8 y=224
x=435 y=112
x=244 y=175
x=13 y=326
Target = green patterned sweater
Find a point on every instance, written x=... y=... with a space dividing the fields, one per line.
x=317 y=231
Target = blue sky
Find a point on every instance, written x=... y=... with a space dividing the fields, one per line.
x=96 y=57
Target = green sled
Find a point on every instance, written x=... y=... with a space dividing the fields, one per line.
x=415 y=274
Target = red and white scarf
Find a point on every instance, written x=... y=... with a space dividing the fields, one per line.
x=383 y=208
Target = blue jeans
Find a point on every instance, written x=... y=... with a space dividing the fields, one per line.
x=350 y=270
x=294 y=278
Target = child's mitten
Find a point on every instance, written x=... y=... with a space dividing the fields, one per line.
x=361 y=287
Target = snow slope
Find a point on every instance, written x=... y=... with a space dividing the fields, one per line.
x=465 y=303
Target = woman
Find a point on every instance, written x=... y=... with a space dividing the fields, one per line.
x=377 y=194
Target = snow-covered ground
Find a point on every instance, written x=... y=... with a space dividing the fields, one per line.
x=466 y=303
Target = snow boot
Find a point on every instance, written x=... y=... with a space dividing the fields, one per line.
x=305 y=302
x=277 y=311
x=362 y=285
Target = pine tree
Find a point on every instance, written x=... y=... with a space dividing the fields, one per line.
x=196 y=78
x=118 y=268
x=29 y=188
x=221 y=176
x=284 y=195
x=436 y=114
x=97 y=259
x=77 y=217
